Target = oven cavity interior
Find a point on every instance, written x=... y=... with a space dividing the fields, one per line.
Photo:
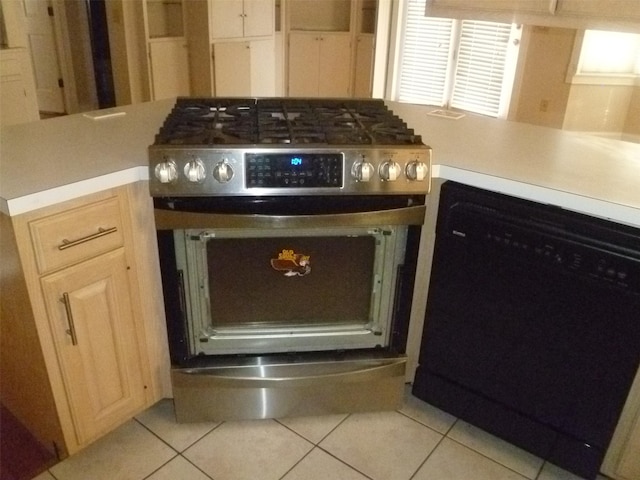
x=270 y=291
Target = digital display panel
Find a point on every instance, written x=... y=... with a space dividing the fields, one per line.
x=294 y=170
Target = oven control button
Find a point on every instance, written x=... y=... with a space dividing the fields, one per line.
x=223 y=172
x=194 y=171
x=362 y=171
x=389 y=171
x=167 y=171
x=416 y=171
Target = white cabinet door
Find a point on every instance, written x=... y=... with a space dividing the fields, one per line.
x=319 y=64
x=606 y=9
x=232 y=69
x=245 y=68
x=226 y=18
x=258 y=18
x=169 y=67
x=241 y=18
x=18 y=103
x=304 y=64
x=263 y=67
x=334 y=77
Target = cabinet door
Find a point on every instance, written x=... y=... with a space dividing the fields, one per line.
x=528 y=6
x=91 y=319
x=304 y=65
x=169 y=68
x=334 y=76
x=232 y=69
x=263 y=75
x=620 y=9
x=364 y=66
x=258 y=18
x=226 y=18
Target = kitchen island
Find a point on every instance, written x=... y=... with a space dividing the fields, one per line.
x=47 y=163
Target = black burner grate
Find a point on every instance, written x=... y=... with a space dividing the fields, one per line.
x=276 y=121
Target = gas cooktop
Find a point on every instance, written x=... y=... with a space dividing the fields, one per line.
x=289 y=121
x=286 y=146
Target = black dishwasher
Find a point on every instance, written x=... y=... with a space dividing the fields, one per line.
x=532 y=326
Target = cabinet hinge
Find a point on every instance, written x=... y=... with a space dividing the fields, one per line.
x=50 y=10
x=61 y=83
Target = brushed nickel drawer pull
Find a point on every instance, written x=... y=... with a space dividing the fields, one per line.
x=72 y=328
x=100 y=233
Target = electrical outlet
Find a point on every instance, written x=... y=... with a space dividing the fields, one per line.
x=544 y=105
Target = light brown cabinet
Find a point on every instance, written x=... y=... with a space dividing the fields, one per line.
x=92 y=323
x=319 y=64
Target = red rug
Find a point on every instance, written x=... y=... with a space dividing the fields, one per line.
x=22 y=457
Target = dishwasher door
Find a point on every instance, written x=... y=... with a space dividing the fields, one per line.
x=531 y=327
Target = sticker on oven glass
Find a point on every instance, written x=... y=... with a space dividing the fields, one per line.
x=292 y=263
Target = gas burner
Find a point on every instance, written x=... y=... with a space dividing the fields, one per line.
x=290 y=121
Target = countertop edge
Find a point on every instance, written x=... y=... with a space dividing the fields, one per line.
x=546 y=195
x=571 y=201
x=45 y=198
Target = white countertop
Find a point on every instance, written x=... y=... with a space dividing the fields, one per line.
x=585 y=173
x=50 y=161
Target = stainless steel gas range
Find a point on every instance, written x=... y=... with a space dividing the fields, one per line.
x=288 y=231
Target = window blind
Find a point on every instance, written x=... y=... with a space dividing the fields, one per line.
x=426 y=57
x=445 y=62
x=480 y=66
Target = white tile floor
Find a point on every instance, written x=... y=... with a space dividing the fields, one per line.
x=417 y=442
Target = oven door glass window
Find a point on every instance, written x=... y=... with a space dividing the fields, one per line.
x=298 y=290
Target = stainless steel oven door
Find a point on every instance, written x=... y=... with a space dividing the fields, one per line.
x=258 y=291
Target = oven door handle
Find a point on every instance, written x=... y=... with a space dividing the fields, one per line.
x=289 y=376
x=172 y=219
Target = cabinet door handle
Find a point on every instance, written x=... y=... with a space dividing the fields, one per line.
x=72 y=328
x=100 y=233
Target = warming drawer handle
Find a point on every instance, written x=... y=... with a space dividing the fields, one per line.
x=304 y=378
x=100 y=233
x=72 y=328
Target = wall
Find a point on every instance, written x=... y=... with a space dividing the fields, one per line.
x=543 y=93
x=544 y=97
x=599 y=109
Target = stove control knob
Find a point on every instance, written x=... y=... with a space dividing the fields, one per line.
x=416 y=170
x=389 y=171
x=167 y=172
x=194 y=171
x=362 y=171
x=223 y=172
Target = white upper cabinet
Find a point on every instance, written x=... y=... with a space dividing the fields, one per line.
x=623 y=15
x=241 y=18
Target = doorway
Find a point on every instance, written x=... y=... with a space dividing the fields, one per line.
x=69 y=41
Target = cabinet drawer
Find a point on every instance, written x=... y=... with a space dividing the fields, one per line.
x=75 y=235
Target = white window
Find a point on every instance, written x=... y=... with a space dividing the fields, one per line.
x=468 y=65
x=601 y=57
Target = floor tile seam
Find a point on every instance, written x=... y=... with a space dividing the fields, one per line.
x=343 y=462
x=161 y=466
x=197 y=467
x=149 y=429
x=315 y=444
x=299 y=460
x=201 y=438
x=428 y=426
x=523 y=476
x=156 y=435
x=442 y=437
